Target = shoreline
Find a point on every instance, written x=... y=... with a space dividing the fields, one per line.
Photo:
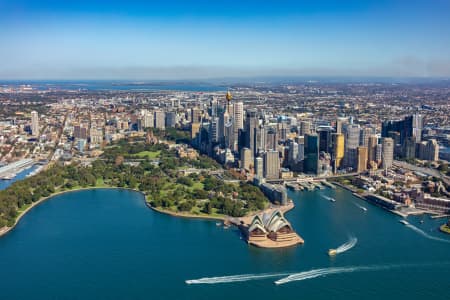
x=5 y=230
x=185 y=215
x=392 y=211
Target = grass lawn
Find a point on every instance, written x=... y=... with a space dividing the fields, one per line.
x=196 y=185
x=100 y=183
x=148 y=154
x=25 y=206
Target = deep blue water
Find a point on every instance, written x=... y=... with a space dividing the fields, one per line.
x=21 y=175
x=106 y=244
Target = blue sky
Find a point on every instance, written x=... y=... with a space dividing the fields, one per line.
x=176 y=39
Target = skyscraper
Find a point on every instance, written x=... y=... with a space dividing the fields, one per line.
x=324 y=139
x=351 y=144
x=171 y=119
x=214 y=107
x=362 y=159
x=340 y=124
x=229 y=140
x=429 y=150
x=271 y=164
x=238 y=121
x=238 y=115
x=305 y=128
x=409 y=148
x=417 y=125
x=214 y=130
x=388 y=152
x=160 y=119
x=301 y=147
x=195 y=130
x=34 y=123
x=259 y=168
x=338 y=149
x=246 y=158
x=293 y=152
x=365 y=133
x=196 y=115
x=408 y=127
x=311 y=164
x=251 y=128
x=372 y=148
x=148 y=120
x=270 y=138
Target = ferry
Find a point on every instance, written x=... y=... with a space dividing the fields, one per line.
x=332 y=252
x=404 y=222
x=329 y=198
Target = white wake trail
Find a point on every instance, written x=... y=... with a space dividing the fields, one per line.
x=347 y=246
x=423 y=233
x=235 y=278
x=327 y=271
x=360 y=206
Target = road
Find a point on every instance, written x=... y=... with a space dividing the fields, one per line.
x=427 y=171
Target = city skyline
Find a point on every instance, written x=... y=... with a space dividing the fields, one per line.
x=201 y=40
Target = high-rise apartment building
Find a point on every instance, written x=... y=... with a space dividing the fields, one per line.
x=160 y=119
x=148 y=120
x=34 y=123
x=388 y=152
x=271 y=164
x=246 y=158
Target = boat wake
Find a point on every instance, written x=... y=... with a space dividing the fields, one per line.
x=235 y=278
x=291 y=276
x=327 y=271
x=347 y=246
x=360 y=206
x=423 y=233
x=329 y=198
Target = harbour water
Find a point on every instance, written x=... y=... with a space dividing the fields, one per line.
x=104 y=85
x=106 y=244
x=21 y=175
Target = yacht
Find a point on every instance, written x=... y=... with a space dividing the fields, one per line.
x=332 y=252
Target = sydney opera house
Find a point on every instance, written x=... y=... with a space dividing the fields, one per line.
x=271 y=230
